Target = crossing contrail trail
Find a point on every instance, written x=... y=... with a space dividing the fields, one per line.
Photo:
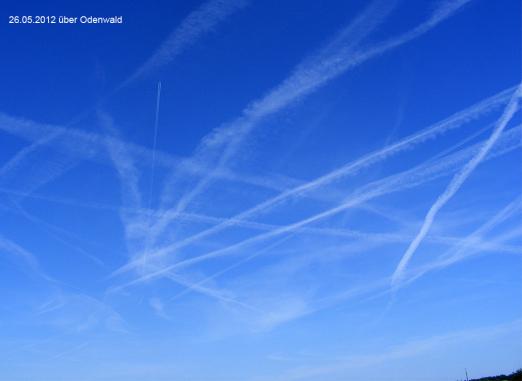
x=223 y=142
x=460 y=250
x=409 y=142
x=74 y=145
x=403 y=180
x=197 y=23
x=456 y=182
x=313 y=74
x=329 y=63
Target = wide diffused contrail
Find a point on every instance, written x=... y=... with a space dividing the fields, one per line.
x=75 y=144
x=194 y=26
x=124 y=164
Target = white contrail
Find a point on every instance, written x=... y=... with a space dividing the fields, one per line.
x=476 y=244
x=148 y=238
x=211 y=220
x=431 y=132
x=156 y=121
x=193 y=27
x=456 y=182
x=198 y=287
x=211 y=292
x=404 y=180
x=306 y=78
x=332 y=61
x=57 y=232
x=230 y=268
x=129 y=177
x=393 y=183
x=124 y=164
x=405 y=352
x=14 y=249
x=36 y=169
x=461 y=250
x=14 y=162
x=82 y=145
x=309 y=76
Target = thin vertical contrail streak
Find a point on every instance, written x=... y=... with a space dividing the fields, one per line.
x=153 y=165
x=154 y=143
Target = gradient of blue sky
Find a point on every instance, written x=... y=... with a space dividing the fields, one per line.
x=269 y=230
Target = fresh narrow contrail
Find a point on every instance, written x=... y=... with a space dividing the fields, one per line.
x=456 y=182
x=156 y=121
x=336 y=58
x=403 y=180
x=148 y=238
x=193 y=27
x=129 y=178
x=409 y=142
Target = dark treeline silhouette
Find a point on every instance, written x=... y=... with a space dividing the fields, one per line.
x=516 y=376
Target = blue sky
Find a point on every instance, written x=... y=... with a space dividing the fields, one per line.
x=261 y=190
